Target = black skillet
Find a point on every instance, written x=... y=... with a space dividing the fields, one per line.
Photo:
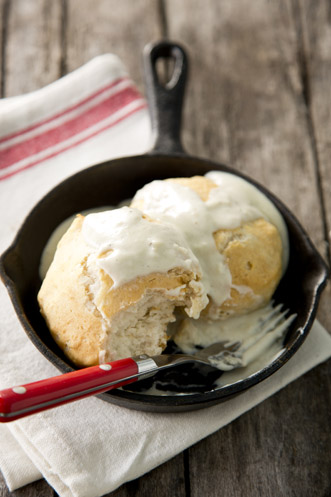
x=113 y=181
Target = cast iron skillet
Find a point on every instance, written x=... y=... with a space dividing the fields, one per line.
x=113 y=181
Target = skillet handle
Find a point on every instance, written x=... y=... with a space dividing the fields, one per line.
x=165 y=100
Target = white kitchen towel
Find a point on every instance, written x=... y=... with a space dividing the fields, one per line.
x=89 y=448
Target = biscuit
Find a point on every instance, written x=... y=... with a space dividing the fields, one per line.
x=93 y=322
x=252 y=251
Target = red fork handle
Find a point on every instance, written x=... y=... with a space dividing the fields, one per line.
x=23 y=400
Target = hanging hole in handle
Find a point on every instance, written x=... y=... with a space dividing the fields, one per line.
x=168 y=69
x=164 y=69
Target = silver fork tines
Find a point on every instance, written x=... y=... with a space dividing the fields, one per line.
x=230 y=355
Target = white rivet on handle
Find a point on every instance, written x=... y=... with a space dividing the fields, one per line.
x=19 y=389
x=105 y=367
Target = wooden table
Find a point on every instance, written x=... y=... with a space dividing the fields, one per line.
x=259 y=99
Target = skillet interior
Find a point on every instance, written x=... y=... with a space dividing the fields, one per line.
x=108 y=184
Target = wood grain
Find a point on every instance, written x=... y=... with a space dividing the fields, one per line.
x=33 y=45
x=316 y=38
x=3 y=33
x=315 y=21
x=109 y=26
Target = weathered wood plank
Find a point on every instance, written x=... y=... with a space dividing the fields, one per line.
x=246 y=106
x=3 y=17
x=316 y=36
x=315 y=22
x=109 y=26
x=33 y=45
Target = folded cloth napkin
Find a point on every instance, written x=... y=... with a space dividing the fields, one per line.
x=90 y=447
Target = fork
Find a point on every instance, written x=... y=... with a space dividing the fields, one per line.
x=23 y=400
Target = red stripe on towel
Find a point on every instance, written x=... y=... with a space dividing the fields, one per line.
x=64 y=112
x=68 y=129
x=11 y=173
